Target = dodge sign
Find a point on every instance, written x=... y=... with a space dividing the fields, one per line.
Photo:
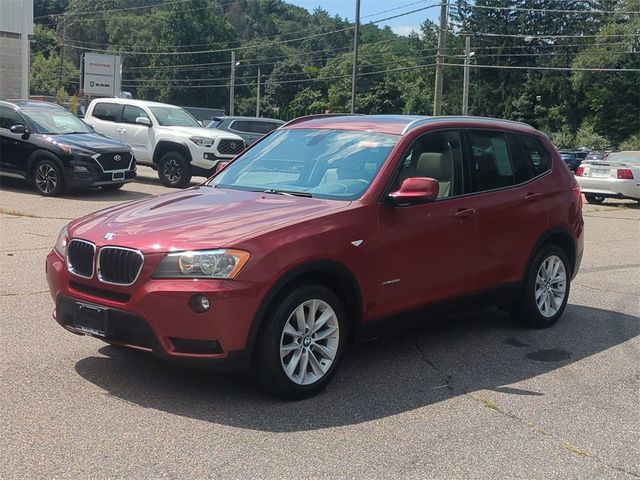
x=102 y=75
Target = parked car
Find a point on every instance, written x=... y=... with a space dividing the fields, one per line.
x=616 y=177
x=251 y=129
x=45 y=144
x=591 y=156
x=326 y=231
x=572 y=158
x=165 y=137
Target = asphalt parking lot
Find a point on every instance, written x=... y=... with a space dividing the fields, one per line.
x=473 y=396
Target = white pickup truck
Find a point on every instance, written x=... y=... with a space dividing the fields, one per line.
x=165 y=137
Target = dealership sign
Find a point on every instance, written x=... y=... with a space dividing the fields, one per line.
x=101 y=75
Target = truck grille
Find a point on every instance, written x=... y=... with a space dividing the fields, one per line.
x=119 y=266
x=80 y=255
x=228 y=146
x=108 y=161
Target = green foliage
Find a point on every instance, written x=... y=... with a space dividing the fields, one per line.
x=47 y=77
x=588 y=137
x=564 y=138
x=61 y=96
x=631 y=143
x=73 y=104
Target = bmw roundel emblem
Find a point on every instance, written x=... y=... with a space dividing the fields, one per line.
x=117 y=158
x=109 y=235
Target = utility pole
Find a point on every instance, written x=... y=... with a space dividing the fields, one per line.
x=465 y=87
x=437 y=95
x=355 y=58
x=258 y=95
x=64 y=35
x=233 y=83
x=24 y=50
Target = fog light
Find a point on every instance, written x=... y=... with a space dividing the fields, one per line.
x=200 y=303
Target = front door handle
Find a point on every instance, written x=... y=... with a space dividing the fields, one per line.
x=532 y=197
x=121 y=130
x=465 y=212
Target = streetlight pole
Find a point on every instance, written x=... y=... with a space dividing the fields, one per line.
x=355 y=58
x=437 y=95
x=233 y=83
x=465 y=85
x=258 y=95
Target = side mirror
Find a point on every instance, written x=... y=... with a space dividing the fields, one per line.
x=200 y=123
x=416 y=190
x=19 y=129
x=220 y=166
x=143 y=121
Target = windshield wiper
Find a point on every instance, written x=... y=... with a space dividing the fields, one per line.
x=287 y=193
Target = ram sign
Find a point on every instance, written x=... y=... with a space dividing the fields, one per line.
x=102 y=75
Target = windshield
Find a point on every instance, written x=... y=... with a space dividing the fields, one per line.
x=334 y=164
x=55 y=121
x=174 y=117
x=627 y=157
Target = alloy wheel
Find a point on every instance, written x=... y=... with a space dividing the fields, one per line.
x=172 y=170
x=551 y=286
x=46 y=178
x=309 y=342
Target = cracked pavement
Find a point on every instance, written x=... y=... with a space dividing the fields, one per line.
x=470 y=396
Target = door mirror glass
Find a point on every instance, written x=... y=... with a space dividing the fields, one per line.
x=143 y=121
x=416 y=190
x=19 y=129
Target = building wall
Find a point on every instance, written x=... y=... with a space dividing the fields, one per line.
x=10 y=59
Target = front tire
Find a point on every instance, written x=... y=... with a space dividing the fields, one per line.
x=48 y=178
x=302 y=343
x=595 y=199
x=546 y=289
x=174 y=170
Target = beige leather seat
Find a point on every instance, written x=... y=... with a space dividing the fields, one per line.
x=436 y=165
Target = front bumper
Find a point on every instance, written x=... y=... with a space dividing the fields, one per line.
x=610 y=187
x=156 y=315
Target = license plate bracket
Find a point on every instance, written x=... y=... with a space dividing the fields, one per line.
x=90 y=319
x=117 y=176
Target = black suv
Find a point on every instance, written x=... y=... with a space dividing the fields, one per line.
x=44 y=143
x=573 y=158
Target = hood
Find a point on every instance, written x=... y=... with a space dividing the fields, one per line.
x=187 y=132
x=89 y=141
x=198 y=218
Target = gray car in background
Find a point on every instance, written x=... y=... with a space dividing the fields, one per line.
x=251 y=129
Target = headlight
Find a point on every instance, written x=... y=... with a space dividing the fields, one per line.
x=202 y=264
x=70 y=149
x=61 y=242
x=202 y=141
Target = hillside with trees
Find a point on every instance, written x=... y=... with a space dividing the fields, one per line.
x=570 y=68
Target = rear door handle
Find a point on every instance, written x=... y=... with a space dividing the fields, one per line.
x=532 y=197
x=465 y=212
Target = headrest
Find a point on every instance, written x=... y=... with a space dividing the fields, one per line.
x=435 y=165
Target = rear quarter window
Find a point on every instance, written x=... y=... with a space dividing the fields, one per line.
x=531 y=158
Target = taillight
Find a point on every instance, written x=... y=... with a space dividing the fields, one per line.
x=580 y=172
x=625 y=174
x=577 y=194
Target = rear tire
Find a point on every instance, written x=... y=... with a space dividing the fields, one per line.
x=48 y=178
x=546 y=289
x=302 y=342
x=174 y=170
x=595 y=199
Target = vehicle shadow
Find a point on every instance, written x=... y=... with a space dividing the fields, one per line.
x=92 y=194
x=459 y=354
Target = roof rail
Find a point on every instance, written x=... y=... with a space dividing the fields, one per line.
x=305 y=118
x=422 y=121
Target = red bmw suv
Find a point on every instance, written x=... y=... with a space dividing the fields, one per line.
x=324 y=231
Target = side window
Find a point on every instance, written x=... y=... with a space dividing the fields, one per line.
x=131 y=112
x=534 y=157
x=106 y=111
x=9 y=118
x=490 y=160
x=264 y=127
x=435 y=155
x=241 y=126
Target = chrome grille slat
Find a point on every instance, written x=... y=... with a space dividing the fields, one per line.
x=80 y=258
x=227 y=146
x=119 y=265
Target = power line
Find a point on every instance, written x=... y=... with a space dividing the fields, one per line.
x=123 y=9
x=560 y=69
x=553 y=10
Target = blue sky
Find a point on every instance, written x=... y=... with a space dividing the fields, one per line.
x=402 y=25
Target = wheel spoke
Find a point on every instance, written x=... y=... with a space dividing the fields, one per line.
x=311 y=315
x=326 y=315
x=327 y=352
x=289 y=330
x=326 y=333
x=318 y=369
x=300 y=319
x=286 y=349
x=304 y=362
x=293 y=363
